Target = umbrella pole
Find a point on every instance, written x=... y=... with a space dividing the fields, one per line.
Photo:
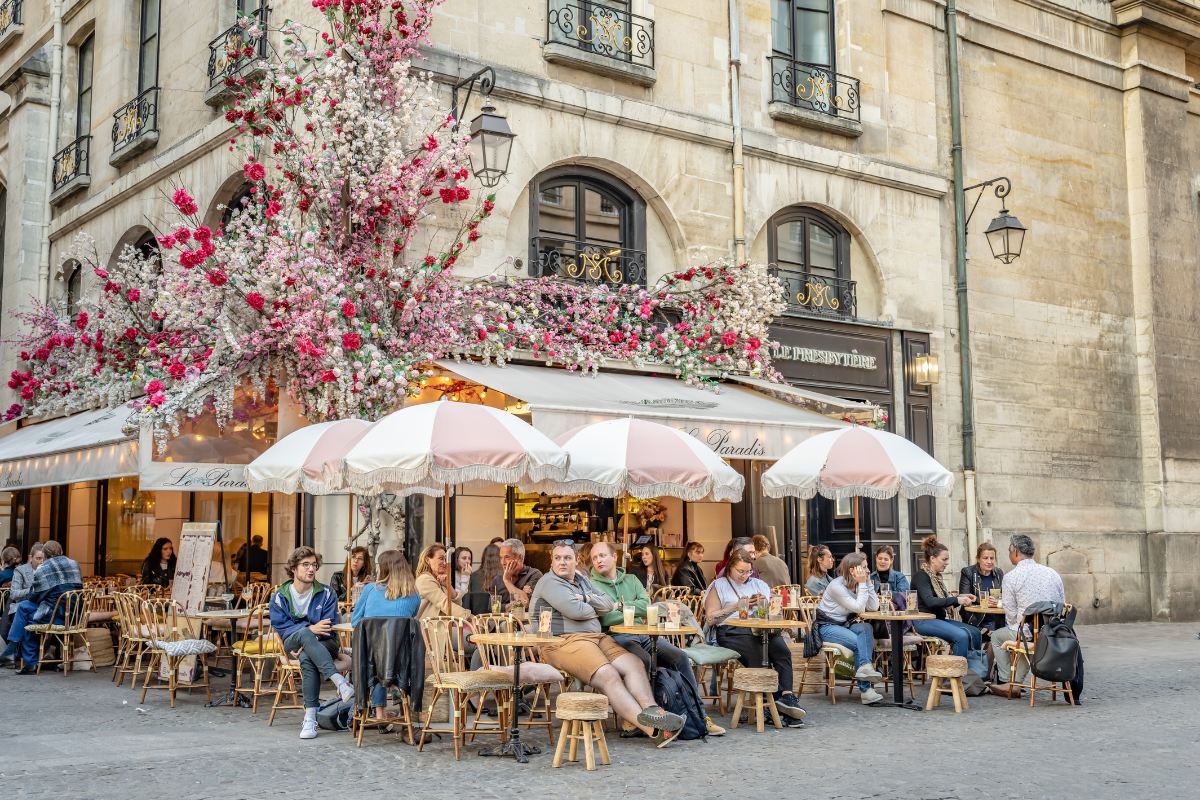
x=625 y=535
x=449 y=552
x=857 y=545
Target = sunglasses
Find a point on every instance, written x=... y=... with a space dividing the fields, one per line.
x=563 y=543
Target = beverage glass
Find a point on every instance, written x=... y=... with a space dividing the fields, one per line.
x=995 y=593
x=885 y=598
x=743 y=608
x=627 y=613
x=673 y=616
x=496 y=606
x=544 y=620
x=912 y=601
x=652 y=615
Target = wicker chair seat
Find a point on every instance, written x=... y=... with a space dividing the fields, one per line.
x=837 y=650
x=582 y=706
x=475 y=680
x=46 y=627
x=708 y=655
x=753 y=679
x=946 y=666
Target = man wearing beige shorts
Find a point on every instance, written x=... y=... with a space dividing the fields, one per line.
x=586 y=653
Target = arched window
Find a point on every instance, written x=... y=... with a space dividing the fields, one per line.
x=588 y=226
x=812 y=254
x=72 y=273
x=240 y=200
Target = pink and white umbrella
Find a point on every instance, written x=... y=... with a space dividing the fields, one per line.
x=423 y=448
x=857 y=462
x=301 y=461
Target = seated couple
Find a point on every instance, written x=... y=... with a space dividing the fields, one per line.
x=586 y=653
x=56 y=575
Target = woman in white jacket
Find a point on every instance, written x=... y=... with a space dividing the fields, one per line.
x=848 y=595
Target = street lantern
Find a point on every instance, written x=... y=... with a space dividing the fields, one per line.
x=491 y=146
x=1005 y=236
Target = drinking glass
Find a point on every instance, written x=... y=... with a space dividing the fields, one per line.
x=496 y=605
x=885 y=598
x=995 y=593
x=652 y=615
x=912 y=601
x=743 y=608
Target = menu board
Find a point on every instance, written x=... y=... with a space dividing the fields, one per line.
x=195 y=554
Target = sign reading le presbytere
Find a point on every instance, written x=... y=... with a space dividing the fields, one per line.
x=842 y=357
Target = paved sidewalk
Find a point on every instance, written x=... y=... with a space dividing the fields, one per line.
x=1135 y=737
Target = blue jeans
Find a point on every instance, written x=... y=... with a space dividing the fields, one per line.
x=859 y=637
x=961 y=636
x=27 y=644
x=316 y=662
x=378 y=696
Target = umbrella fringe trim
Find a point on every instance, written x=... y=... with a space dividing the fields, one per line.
x=706 y=491
x=400 y=477
x=869 y=492
x=284 y=485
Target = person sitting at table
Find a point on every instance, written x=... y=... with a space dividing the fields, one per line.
x=648 y=570
x=626 y=590
x=356 y=573
x=10 y=557
x=583 y=650
x=464 y=566
x=303 y=613
x=252 y=563
x=820 y=569
x=722 y=601
x=22 y=582
x=932 y=598
x=980 y=579
x=884 y=575
x=848 y=595
x=518 y=579
x=771 y=568
x=1028 y=582
x=489 y=577
x=159 y=567
x=392 y=594
x=689 y=573
x=56 y=576
x=431 y=585
x=743 y=543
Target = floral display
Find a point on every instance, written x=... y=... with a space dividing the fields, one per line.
x=336 y=279
x=651 y=513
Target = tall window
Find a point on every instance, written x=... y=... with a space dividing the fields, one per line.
x=803 y=240
x=73 y=279
x=587 y=226
x=148 y=49
x=83 y=102
x=247 y=7
x=803 y=31
x=240 y=200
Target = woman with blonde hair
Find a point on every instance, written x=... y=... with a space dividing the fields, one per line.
x=393 y=595
x=431 y=584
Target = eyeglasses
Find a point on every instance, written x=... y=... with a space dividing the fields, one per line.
x=307 y=565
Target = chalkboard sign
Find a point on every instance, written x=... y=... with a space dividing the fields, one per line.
x=195 y=557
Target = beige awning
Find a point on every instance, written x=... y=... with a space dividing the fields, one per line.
x=735 y=421
x=89 y=446
x=813 y=401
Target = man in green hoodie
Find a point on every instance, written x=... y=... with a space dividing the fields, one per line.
x=625 y=589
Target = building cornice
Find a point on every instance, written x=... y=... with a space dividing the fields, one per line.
x=1175 y=20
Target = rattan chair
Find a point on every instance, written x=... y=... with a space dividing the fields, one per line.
x=445 y=643
x=257 y=649
x=679 y=593
x=287 y=678
x=1019 y=651
x=72 y=608
x=131 y=638
x=171 y=638
x=806 y=606
x=534 y=674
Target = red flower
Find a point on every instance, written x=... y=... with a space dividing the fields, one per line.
x=177 y=370
x=348 y=309
x=203 y=233
x=753 y=344
x=351 y=341
x=217 y=278
x=81 y=321
x=166 y=242
x=154 y=386
x=130 y=334
x=184 y=202
x=256 y=301
x=134 y=295
x=255 y=171
x=328 y=377
x=157 y=399
x=729 y=338
x=101 y=273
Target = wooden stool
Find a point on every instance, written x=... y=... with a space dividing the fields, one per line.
x=582 y=715
x=951 y=668
x=757 y=686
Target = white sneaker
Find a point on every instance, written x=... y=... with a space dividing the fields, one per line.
x=308 y=729
x=345 y=689
x=870 y=697
x=868 y=673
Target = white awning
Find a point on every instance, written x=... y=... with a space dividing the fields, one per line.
x=807 y=398
x=735 y=421
x=82 y=447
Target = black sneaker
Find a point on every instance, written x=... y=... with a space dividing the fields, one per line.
x=789 y=706
x=788 y=722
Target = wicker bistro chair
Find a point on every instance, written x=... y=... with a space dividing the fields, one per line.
x=444 y=644
x=288 y=676
x=542 y=677
x=679 y=593
x=1019 y=651
x=257 y=649
x=133 y=635
x=830 y=652
x=883 y=660
x=171 y=638
x=72 y=608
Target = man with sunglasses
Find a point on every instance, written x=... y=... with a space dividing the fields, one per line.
x=303 y=613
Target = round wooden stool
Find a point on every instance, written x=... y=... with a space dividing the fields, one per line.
x=582 y=715
x=757 y=687
x=946 y=668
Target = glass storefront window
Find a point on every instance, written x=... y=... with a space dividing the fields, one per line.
x=242 y=516
x=129 y=527
x=252 y=428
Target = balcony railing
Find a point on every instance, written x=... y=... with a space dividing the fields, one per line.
x=134 y=122
x=607 y=31
x=10 y=14
x=234 y=53
x=812 y=86
x=808 y=293
x=71 y=163
x=587 y=261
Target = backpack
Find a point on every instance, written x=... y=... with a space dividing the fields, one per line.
x=678 y=696
x=334 y=715
x=1057 y=651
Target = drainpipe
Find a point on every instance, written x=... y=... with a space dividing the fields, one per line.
x=56 y=68
x=960 y=284
x=739 y=168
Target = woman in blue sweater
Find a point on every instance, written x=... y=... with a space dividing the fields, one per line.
x=393 y=595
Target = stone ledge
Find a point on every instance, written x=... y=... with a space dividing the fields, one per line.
x=10 y=33
x=786 y=112
x=138 y=145
x=70 y=187
x=559 y=53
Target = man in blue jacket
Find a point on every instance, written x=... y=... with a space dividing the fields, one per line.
x=304 y=612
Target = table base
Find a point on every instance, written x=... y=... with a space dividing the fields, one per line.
x=513 y=747
x=908 y=704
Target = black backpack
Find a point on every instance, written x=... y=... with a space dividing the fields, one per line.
x=1057 y=651
x=678 y=696
x=334 y=715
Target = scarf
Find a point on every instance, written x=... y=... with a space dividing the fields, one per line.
x=939 y=589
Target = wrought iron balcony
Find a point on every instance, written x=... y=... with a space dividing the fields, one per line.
x=814 y=87
x=586 y=261
x=135 y=126
x=608 y=31
x=71 y=166
x=10 y=16
x=235 y=53
x=811 y=294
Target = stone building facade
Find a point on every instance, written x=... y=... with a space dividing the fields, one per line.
x=811 y=134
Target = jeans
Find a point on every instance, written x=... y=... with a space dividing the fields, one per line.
x=316 y=662
x=1003 y=659
x=859 y=638
x=749 y=649
x=669 y=656
x=27 y=645
x=378 y=696
x=961 y=636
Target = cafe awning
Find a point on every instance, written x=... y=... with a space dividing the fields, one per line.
x=807 y=398
x=82 y=447
x=735 y=421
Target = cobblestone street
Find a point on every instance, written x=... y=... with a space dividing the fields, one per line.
x=1135 y=737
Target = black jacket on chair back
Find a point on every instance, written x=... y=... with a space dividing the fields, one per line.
x=391 y=652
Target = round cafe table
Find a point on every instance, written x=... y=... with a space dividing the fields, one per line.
x=895 y=621
x=764 y=627
x=233 y=697
x=984 y=610
x=518 y=641
x=653 y=631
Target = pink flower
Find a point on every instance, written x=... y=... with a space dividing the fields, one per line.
x=729 y=338
x=217 y=278
x=177 y=370
x=101 y=273
x=255 y=171
x=753 y=344
x=154 y=386
x=183 y=235
x=184 y=202
x=351 y=341
x=328 y=377
x=256 y=301
x=348 y=309
x=134 y=295
x=166 y=242
x=157 y=399
x=81 y=321
x=203 y=233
